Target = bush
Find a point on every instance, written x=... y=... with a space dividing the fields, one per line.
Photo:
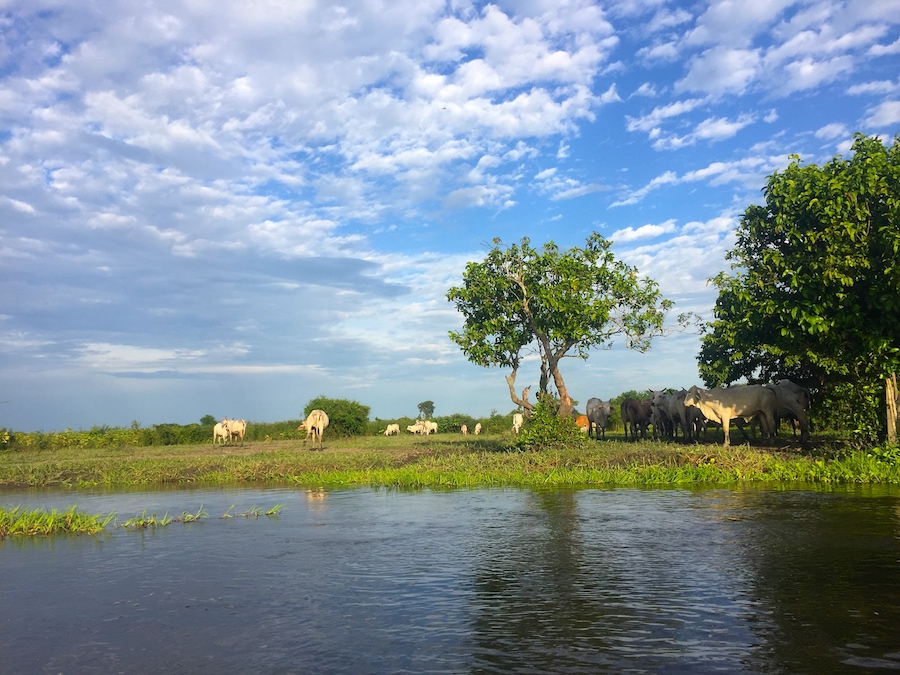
x=545 y=429
x=345 y=418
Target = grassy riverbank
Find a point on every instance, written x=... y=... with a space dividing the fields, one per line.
x=446 y=461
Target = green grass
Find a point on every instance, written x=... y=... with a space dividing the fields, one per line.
x=449 y=460
x=19 y=521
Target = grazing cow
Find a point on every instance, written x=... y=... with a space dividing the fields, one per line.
x=418 y=428
x=220 y=431
x=598 y=413
x=430 y=427
x=518 y=421
x=724 y=404
x=582 y=423
x=637 y=414
x=465 y=430
x=792 y=401
x=236 y=429
x=314 y=425
x=392 y=430
x=477 y=428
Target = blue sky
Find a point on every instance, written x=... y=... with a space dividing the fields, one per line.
x=230 y=208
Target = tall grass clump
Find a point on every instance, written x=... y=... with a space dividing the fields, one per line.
x=19 y=521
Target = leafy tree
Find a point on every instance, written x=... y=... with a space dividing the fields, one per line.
x=208 y=421
x=556 y=303
x=426 y=409
x=345 y=418
x=814 y=292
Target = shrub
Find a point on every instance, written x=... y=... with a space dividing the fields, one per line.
x=545 y=429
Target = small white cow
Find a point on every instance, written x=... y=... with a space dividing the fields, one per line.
x=314 y=425
x=392 y=430
x=478 y=428
x=465 y=429
x=236 y=429
x=724 y=404
x=220 y=431
x=418 y=428
x=518 y=421
x=430 y=427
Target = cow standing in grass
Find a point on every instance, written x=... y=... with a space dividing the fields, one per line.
x=314 y=425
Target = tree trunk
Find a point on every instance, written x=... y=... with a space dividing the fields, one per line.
x=565 y=401
x=523 y=401
x=890 y=396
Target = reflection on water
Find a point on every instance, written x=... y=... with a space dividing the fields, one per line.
x=376 y=581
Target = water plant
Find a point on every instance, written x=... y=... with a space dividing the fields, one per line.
x=19 y=521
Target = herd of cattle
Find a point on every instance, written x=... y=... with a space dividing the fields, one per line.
x=688 y=411
x=692 y=410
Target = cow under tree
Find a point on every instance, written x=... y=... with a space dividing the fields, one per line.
x=723 y=404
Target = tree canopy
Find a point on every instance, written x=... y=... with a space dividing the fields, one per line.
x=555 y=303
x=814 y=291
x=426 y=409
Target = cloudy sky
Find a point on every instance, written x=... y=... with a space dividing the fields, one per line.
x=229 y=208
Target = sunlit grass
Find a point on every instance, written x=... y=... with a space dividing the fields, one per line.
x=446 y=461
x=20 y=521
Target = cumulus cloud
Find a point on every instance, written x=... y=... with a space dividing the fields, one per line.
x=885 y=114
x=648 y=231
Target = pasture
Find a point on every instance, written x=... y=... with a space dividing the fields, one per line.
x=450 y=460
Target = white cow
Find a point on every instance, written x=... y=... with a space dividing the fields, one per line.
x=220 y=431
x=314 y=425
x=465 y=429
x=518 y=421
x=478 y=428
x=430 y=427
x=236 y=429
x=392 y=430
x=417 y=428
x=724 y=404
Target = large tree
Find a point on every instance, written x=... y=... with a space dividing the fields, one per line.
x=814 y=290
x=557 y=304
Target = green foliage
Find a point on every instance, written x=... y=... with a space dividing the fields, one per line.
x=522 y=300
x=813 y=292
x=546 y=429
x=345 y=418
x=208 y=421
x=426 y=409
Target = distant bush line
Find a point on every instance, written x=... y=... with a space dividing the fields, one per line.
x=195 y=434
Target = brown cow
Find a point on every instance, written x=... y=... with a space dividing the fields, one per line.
x=637 y=414
x=582 y=423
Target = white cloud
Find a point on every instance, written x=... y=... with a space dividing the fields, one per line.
x=710 y=129
x=721 y=70
x=633 y=197
x=834 y=130
x=875 y=87
x=884 y=50
x=658 y=115
x=643 y=232
x=885 y=114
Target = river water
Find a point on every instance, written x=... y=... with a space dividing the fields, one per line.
x=480 y=581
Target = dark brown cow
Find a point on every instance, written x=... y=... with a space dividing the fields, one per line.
x=637 y=414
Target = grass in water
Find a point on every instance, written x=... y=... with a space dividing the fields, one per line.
x=19 y=521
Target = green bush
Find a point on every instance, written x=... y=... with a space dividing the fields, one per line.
x=545 y=429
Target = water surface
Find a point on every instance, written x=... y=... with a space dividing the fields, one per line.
x=378 y=581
